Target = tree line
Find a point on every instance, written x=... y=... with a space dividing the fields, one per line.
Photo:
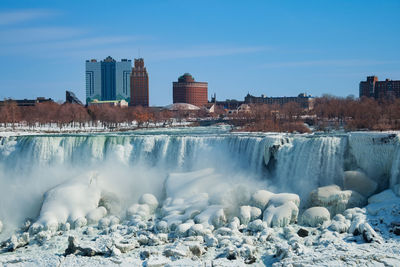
x=328 y=113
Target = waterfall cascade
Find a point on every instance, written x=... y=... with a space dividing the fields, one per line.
x=139 y=162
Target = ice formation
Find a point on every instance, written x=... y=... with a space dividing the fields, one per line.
x=315 y=216
x=197 y=196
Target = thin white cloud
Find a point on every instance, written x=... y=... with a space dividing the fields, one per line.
x=338 y=62
x=38 y=34
x=19 y=16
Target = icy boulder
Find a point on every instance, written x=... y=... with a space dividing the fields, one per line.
x=359 y=182
x=282 y=215
x=149 y=200
x=282 y=209
x=141 y=210
x=315 y=216
x=248 y=214
x=261 y=198
x=336 y=200
x=283 y=198
x=384 y=204
x=340 y=224
x=214 y=215
x=68 y=202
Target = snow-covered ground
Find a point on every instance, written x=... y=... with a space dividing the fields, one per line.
x=200 y=197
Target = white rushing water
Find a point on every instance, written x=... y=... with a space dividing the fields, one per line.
x=131 y=164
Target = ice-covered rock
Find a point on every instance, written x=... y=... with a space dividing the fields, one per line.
x=143 y=210
x=384 y=196
x=162 y=227
x=15 y=241
x=248 y=214
x=213 y=215
x=282 y=215
x=182 y=229
x=257 y=225
x=384 y=204
x=69 y=201
x=196 y=230
x=176 y=250
x=261 y=198
x=210 y=240
x=336 y=200
x=283 y=198
x=359 y=182
x=149 y=200
x=126 y=245
x=340 y=224
x=315 y=216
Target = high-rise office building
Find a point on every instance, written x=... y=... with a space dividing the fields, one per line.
x=139 y=84
x=108 y=79
x=187 y=90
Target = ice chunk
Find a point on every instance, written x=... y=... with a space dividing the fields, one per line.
x=143 y=210
x=384 y=196
x=340 y=224
x=248 y=214
x=69 y=201
x=213 y=215
x=149 y=200
x=359 y=182
x=257 y=225
x=315 y=216
x=384 y=204
x=280 y=199
x=282 y=215
x=261 y=198
x=336 y=200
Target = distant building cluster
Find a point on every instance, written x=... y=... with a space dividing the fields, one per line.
x=27 y=102
x=386 y=89
x=305 y=101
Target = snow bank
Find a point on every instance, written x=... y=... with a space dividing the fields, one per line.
x=336 y=200
x=315 y=216
x=69 y=202
x=359 y=182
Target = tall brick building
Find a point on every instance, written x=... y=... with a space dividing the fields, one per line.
x=187 y=90
x=372 y=87
x=139 y=84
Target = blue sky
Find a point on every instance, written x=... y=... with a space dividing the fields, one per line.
x=276 y=48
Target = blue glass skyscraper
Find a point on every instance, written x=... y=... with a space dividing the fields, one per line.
x=108 y=79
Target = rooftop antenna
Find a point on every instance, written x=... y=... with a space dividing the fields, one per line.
x=139 y=52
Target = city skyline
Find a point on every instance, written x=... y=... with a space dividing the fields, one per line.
x=270 y=48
